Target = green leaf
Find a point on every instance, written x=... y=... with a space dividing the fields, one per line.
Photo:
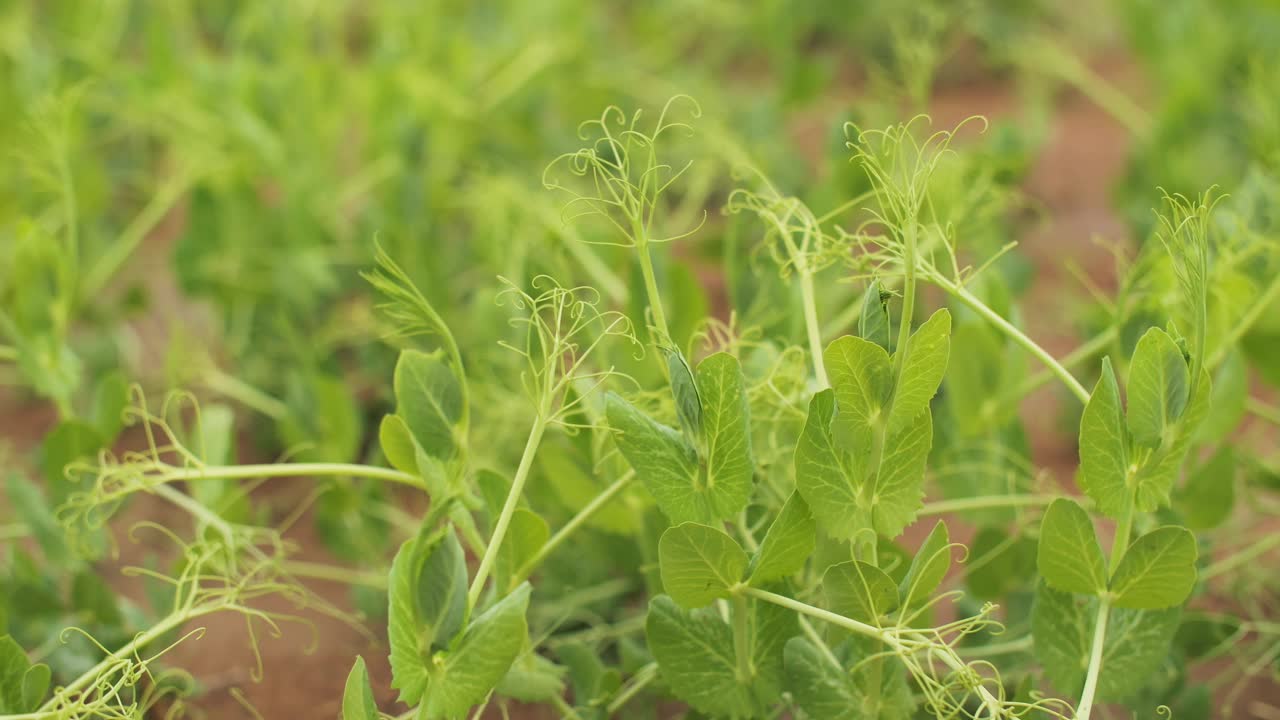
x=526 y=534
x=790 y=541
x=532 y=678
x=699 y=564
x=35 y=685
x=574 y=484
x=1104 y=447
x=1206 y=500
x=1158 y=387
x=1135 y=645
x=397 y=444
x=999 y=564
x=71 y=440
x=668 y=466
x=928 y=567
x=825 y=689
x=873 y=322
x=694 y=650
x=31 y=506
x=13 y=667
x=926 y=363
x=1155 y=477
x=770 y=627
x=860 y=591
x=427 y=603
x=1227 y=404
x=357 y=697
x=462 y=678
x=899 y=486
x=1157 y=571
x=1070 y=558
x=685 y=392
x=861 y=377
x=726 y=433
x=110 y=398
x=429 y=400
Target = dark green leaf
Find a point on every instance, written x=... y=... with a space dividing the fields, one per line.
x=694 y=650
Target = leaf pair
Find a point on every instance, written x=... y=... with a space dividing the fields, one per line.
x=865 y=593
x=860 y=460
x=435 y=660
x=1130 y=457
x=1157 y=571
x=705 y=474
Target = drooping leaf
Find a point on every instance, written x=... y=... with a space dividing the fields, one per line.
x=699 y=564
x=1135 y=643
x=860 y=591
x=461 y=678
x=357 y=697
x=726 y=433
x=429 y=400
x=928 y=567
x=427 y=601
x=927 y=352
x=1104 y=447
x=1157 y=571
x=788 y=543
x=1158 y=389
x=1070 y=558
x=31 y=506
x=694 y=650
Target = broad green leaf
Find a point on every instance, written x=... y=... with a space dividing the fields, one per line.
x=35 y=685
x=899 y=486
x=1135 y=645
x=1104 y=447
x=824 y=688
x=357 y=697
x=526 y=534
x=927 y=352
x=1070 y=558
x=1158 y=386
x=1209 y=494
x=668 y=466
x=461 y=678
x=861 y=377
x=532 y=678
x=928 y=567
x=694 y=650
x=397 y=444
x=1157 y=571
x=825 y=474
x=788 y=543
x=427 y=602
x=873 y=322
x=699 y=564
x=726 y=433
x=429 y=399
x=1154 y=479
x=860 y=591
x=685 y=393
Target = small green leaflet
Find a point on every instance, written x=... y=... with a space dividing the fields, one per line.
x=461 y=678
x=429 y=400
x=397 y=444
x=790 y=541
x=1135 y=645
x=861 y=375
x=687 y=487
x=860 y=591
x=1158 y=387
x=694 y=649
x=357 y=698
x=1104 y=447
x=1157 y=571
x=928 y=567
x=1070 y=558
x=699 y=564
x=428 y=600
x=873 y=322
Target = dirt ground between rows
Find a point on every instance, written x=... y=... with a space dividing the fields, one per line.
x=1070 y=181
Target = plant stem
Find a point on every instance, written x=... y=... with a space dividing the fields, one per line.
x=811 y=326
x=572 y=526
x=1089 y=349
x=335 y=573
x=1017 y=336
x=1085 y=707
x=1022 y=644
x=279 y=470
x=508 y=509
x=146 y=220
x=1240 y=557
x=1262 y=410
x=1121 y=542
x=245 y=394
x=742 y=639
x=908 y=302
x=651 y=284
x=939 y=651
x=984 y=502
x=638 y=682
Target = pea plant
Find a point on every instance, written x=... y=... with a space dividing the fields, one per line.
x=636 y=513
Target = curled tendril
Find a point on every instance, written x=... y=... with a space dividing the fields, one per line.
x=623 y=175
x=794 y=237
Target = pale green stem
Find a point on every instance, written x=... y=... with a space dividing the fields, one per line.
x=651 y=287
x=1263 y=410
x=1085 y=707
x=150 y=216
x=908 y=302
x=280 y=470
x=14 y=532
x=814 y=331
x=508 y=509
x=742 y=639
x=1092 y=348
x=1241 y=557
x=335 y=573
x=564 y=533
x=1023 y=644
x=245 y=394
x=943 y=507
x=1017 y=336
x=566 y=710
x=638 y=682
x=941 y=652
